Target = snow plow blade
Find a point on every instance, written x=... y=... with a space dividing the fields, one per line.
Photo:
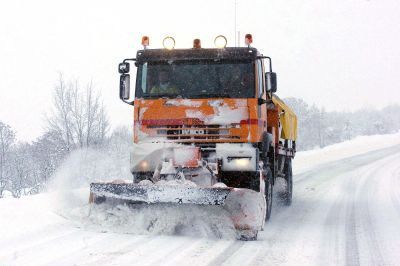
x=245 y=207
x=158 y=194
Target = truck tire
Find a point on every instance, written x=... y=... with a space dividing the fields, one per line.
x=137 y=177
x=247 y=235
x=246 y=179
x=288 y=193
x=268 y=193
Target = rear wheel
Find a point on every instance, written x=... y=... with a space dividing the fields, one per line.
x=288 y=193
x=268 y=193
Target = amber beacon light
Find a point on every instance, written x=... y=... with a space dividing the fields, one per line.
x=169 y=43
x=145 y=41
x=248 y=40
x=220 y=41
x=196 y=43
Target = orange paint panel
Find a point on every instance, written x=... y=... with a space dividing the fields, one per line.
x=160 y=117
x=273 y=122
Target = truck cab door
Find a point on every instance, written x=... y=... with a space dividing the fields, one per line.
x=261 y=93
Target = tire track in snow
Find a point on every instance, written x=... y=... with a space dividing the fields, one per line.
x=245 y=254
x=356 y=186
x=177 y=249
x=333 y=230
x=360 y=227
x=370 y=197
x=137 y=253
x=162 y=251
x=318 y=180
x=205 y=251
x=228 y=252
x=351 y=244
x=104 y=250
x=32 y=239
x=394 y=194
x=339 y=240
x=51 y=250
x=313 y=188
x=370 y=188
x=173 y=257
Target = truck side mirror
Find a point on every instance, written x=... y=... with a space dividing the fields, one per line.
x=123 y=68
x=270 y=79
x=124 y=87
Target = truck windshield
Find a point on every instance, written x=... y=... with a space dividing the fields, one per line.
x=201 y=79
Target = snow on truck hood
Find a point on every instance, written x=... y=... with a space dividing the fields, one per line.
x=208 y=111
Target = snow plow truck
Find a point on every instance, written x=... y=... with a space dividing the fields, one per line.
x=208 y=130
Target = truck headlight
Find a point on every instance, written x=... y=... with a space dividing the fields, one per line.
x=240 y=162
x=144 y=165
x=237 y=157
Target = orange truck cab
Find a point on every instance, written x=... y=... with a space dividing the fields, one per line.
x=211 y=110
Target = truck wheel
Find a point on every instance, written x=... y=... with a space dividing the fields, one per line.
x=137 y=177
x=247 y=235
x=287 y=195
x=268 y=193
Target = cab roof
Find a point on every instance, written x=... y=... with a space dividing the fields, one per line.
x=228 y=53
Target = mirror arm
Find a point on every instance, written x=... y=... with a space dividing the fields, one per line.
x=129 y=102
x=269 y=59
x=129 y=59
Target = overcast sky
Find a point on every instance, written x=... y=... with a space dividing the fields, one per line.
x=341 y=54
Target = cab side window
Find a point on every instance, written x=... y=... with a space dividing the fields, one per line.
x=260 y=79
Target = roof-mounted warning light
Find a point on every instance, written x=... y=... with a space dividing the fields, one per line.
x=220 y=41
x=248 y=39
x=145 y=42
x=169 y=43
x=196 y=43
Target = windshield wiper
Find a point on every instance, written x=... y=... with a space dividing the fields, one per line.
x=211 y=95
x=161 y=95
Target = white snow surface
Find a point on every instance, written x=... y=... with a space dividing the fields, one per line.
x=184 y=102
x=345 y=211
x=307 y=159
x=223 y=113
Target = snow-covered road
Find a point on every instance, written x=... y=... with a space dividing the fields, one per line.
x=344 y=212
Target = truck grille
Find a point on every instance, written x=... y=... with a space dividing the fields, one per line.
x=193 y=133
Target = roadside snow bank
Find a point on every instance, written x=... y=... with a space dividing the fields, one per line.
x=306 y=160
x=26 y=215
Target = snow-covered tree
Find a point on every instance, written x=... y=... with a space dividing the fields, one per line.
x=318 y=128
x=78 y=115
x=7 y=139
